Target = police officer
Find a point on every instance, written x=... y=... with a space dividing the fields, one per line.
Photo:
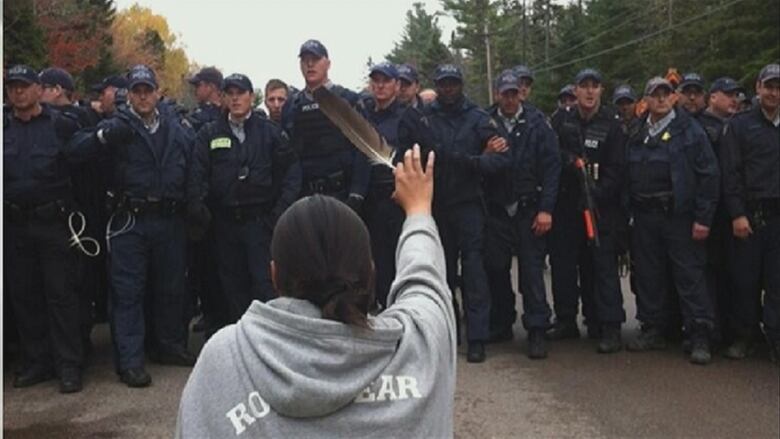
x=207 y=84
x=410 y=86
x=89 y=189
x=673 y=184
x=462 y=132
x=37 y=200
x=402 y=126
x=690 y=92
x=520 y=202
x=247 y=173
x=152 y=152
x=525 y=80
x=330 y=164
x=106 y=90
x=624 y=99
x=750 y=156
x=722 y=104
x=566 y=97
x=276 y=93
x=590 y=132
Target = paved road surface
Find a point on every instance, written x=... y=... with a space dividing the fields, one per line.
x=574 y=393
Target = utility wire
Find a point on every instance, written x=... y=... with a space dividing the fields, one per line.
x=642 y=38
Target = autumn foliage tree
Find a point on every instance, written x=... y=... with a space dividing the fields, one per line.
x=142 y=37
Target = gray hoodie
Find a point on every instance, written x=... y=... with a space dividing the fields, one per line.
x=283 y=371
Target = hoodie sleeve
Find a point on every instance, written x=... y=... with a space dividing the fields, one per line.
x=420 y=287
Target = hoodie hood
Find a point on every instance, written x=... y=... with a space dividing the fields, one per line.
x=307 y=366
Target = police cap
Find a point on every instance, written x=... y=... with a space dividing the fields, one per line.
x=623 y=92
x=407 y=72
x=239 y=81
x=141 y=74
x=523 y=71
x=584 y=74
x=447 y=71
x=726 y=85
x=385 y=68
x=691 y=79
x=655 y=83
x=57 y=76
x=769 y=72
x=22 y=73
x=313 y=47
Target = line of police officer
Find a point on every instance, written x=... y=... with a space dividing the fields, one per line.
x=503 y=176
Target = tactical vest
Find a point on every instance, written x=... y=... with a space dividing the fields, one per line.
x=314 y=135
x=387 y=125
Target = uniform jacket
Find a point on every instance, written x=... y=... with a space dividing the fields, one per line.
x=750 y=157
x=536 y=162
x=263 y=170
x=694 y=167
x=461 y=136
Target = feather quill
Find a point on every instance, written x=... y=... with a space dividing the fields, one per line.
x=355 y=127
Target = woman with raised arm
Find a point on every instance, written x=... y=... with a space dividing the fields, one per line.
x=313 y=362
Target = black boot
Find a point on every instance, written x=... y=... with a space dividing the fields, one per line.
x=610 y=339
x=537 y=346
x=70 y=380
x=563 y=329
x=476 y=352
x=700 y=344
x=649 y=339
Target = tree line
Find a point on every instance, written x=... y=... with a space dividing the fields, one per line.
x=89 y=39
x=629 y=41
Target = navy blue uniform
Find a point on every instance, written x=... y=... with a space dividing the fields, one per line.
x=719 y=282
x=149 y=185
x=330 y=163
x=39 y=264
x=750 y=157
x=461 y=135
x=247 y=184
x=672 y=183
x=514 y=198
x=402 y=127
x=202 y=277
x=600 y=142
x=205 y=113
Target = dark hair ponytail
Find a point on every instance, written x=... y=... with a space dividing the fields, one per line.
x=322 y=253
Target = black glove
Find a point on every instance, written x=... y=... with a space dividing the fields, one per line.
x=355 y=202
x=198 y=219
x=117 y=134
x=66 y=126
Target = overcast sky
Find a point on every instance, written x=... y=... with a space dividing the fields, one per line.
x=261 y=38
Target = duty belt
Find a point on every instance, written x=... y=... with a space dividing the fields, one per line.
x=331 y=184
x=653 y=203
x=50 y=211
x=527 y=201
x=144 y=206
x=252 y=212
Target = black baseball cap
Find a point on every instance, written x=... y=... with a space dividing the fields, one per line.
x=22 y=73
x=726 y=85
x=57 y=76
x=770 y=71
x=117 y=81
x=567 y=90
x=385 y=68
x=447 y=71
x=314 y=47
x=691 y=79
x=239 y=81
x=584 y=74
x=210 y=75
x=507 y=81
x=407 y=72
x=523 y=71
x=141 y=74
x=623 y=92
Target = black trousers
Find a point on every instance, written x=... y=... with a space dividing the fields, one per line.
x=662 y=243
x=41 y=269
x=461 y=228
x=384 y=219
x=204 y=283
x=244 y=260
x=506 y=237
x=756 y=267
x=572 y=259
